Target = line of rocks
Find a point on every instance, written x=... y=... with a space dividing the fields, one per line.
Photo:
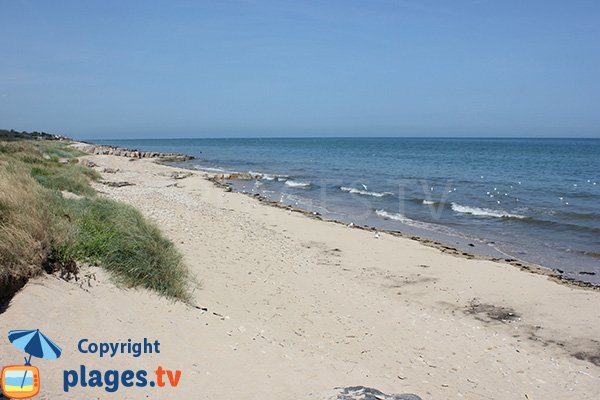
x=236 y=176
x=129 y=153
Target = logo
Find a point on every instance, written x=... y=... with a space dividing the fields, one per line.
x=113 y=380
x=20 y=382
x=23 y=381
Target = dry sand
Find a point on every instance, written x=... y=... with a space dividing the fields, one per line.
x=298 y=306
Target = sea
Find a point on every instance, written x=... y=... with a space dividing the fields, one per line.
x=534 y=200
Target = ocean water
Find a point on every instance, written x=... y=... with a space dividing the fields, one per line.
x=536 y=200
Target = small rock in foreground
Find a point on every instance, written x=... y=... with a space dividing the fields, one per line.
x=116 y=184
x=365 y=393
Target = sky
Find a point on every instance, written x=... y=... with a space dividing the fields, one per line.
x=250 y=68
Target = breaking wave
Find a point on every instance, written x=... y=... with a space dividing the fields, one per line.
x=484 y=212
x=428 y=226
x=208 y=169
x=364 y=192
x=394 y=216
x=297 y=184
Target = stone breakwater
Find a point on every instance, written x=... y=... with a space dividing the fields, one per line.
x=129 y=153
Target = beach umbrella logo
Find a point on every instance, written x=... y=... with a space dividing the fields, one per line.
x=23 y=381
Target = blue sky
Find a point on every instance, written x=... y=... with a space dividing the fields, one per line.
x=132 y=69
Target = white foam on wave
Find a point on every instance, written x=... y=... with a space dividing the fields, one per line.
x=484 y=212
x=297 y=184
x=208 y=169
x=394 y=216
x=417 y=224
x=364 y=192
x=272 y=177
x=267 y=177
x=428 y=202
x=408 y=221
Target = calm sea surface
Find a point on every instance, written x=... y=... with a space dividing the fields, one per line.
x=537 y=200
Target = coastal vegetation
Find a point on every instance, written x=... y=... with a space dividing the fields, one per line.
x=51 y=217
x=11 y=134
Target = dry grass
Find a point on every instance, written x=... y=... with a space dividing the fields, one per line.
x=25 y=234
x=24 y=220
x=36 y=222
x=52 y=164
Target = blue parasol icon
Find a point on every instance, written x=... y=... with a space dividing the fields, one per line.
x=34 y=343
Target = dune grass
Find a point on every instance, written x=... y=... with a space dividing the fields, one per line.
x=37 y=222
x=72 y=178
x=25 y=237
x=117 y=237
x=52 y=164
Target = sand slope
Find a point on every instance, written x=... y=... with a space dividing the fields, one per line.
x=304 y=306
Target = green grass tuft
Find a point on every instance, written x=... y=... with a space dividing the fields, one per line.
x=70 y=177
x=52 y=164
x=117 y=236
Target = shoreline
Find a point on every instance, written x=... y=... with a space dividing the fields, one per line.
x=288 y=299
x=220 y=180
x=444 y=248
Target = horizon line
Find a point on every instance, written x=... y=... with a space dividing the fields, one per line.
x=351 y=137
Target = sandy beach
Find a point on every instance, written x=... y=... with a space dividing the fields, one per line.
x=289 y=307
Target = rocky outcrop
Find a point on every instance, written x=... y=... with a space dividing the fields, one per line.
x=117 y=184
x=134 y=154
x=88 y=163
x=365 y=393
x=241 y=176
x=176 y=174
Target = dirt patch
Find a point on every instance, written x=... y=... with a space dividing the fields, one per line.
x=490 y=312
x=412 y=280
x=579 y=348
x=67 y=270
x=594 y=357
